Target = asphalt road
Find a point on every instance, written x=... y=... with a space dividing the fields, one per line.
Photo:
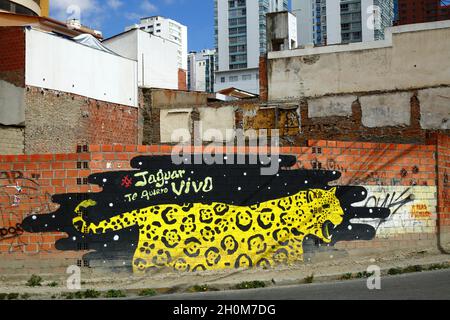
x=433 y=285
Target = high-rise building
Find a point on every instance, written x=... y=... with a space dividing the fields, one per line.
x=26 y=7
x=167 y=29
x=419 y=11
x=240 y=38
x=201 y=70
x=325 y=22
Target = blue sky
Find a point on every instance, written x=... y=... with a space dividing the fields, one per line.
x=112 y=16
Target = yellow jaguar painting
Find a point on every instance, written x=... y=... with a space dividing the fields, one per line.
x=197 y=236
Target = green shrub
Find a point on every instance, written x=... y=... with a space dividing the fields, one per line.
x=411 y=269
x=25 y=296
x=34 y=281
x=364 y=274
x=250 y=285
x=394 y=271
x=202 y=288
x=13 y=296
x=91 y=294
x=53 y=284
x=68 y=295
x=309 y=279
x=438 y=266
x=115 y=294
x=347 y=276
x=147 y=293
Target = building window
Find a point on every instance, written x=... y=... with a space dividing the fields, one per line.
x=247 y=77
x=234 y=78
x=222 y=79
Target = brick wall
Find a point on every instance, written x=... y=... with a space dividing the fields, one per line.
x=27 y=183
x=12 y=53
x=11 y=140
x=399 y=177
x=263 y=81
x=443 y=156
x=56 y=122
x=182 y=80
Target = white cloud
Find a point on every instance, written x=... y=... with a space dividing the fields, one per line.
x=147 y=8
x=89 y=12
x=115 y=4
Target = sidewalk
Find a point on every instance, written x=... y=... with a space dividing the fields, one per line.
x=317 y=270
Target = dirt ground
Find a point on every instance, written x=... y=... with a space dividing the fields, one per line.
x=321 y=268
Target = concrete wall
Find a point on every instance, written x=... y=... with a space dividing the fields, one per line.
x=176 y=99
x=56 y=63
x=167 y=110
x=214 y=130
x=394 y=64
x=12 y=106
x=326 y=107
x=12 y=140
x=400 y=117
x=281 y=31
x=175 y=121
x=386 y=110
x=435 y=108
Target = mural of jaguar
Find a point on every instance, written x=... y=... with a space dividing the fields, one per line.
x=214 y=236
x=192 y=216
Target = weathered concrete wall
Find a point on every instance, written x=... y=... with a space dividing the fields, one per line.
x=335 y=106
x=386 y=110
x=414 y=58
x=176 y=121
x=11 y=140
x=12 y=106
x=217 y=123
x=175 y=99
x=435 y=108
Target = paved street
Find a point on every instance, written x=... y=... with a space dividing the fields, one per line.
x=414 y=286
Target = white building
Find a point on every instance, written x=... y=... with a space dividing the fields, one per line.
x=167 y=29
x=240 y=36
x=98 y=73
x=327 y=22
x=157 y=58
x=201 y=70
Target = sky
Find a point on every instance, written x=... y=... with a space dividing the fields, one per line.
x=112 y=16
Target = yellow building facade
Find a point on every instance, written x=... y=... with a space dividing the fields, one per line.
x=26 y=7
